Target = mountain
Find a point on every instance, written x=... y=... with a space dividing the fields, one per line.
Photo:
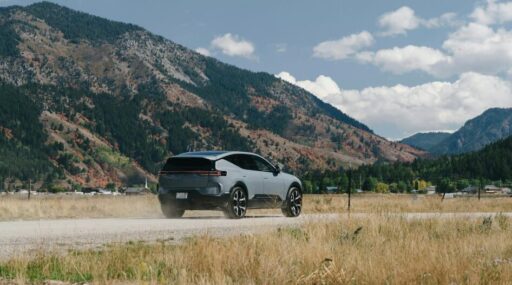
x=494 y=124
x=92 y=101
x=425 y=141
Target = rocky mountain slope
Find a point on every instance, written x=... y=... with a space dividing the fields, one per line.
x=110 y=101
x=425 y=141
x=494 y=124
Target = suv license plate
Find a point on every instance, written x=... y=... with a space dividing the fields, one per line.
x=181 y=195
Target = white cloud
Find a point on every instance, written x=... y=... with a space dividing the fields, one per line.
x=404 y=19
x=405 y=59
x=471 y=48
x=344 y=47
x=493 y=12
x=203 y=51
x=322 y=87
x=233 y=45
x=480 y=48
x=446 y=19
x=399 y=111
x=398 y=21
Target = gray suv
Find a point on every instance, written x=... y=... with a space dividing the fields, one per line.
x=227 y=180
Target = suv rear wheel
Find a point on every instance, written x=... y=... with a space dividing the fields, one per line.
x=293 y=204
x=171 y=211
x=237 y=203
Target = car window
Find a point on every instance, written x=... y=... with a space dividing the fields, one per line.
x=248 y=162
x=262 y=165
x=233 y=159
x=242 y=161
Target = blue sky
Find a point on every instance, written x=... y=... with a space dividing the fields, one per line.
x=398 y=66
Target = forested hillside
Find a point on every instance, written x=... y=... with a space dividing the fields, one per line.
x=21 y=133
x=425 y=141
x=491 y=164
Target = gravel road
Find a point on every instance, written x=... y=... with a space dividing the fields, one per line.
x=22 y=237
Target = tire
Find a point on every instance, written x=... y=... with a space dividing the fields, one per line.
x=293 y=204
x=237 y=203
x=171 y=211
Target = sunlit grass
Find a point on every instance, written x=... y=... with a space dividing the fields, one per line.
x=379 y=249
x=13 y=207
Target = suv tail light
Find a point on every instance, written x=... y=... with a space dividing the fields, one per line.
x=214 y=173
x=198 y=172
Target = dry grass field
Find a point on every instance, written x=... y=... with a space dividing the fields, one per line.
x=378 y=250
x=54 y=207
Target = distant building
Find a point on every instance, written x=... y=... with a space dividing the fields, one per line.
x=470 y=190
x=492 y=189
x=88 y=190
x=331 y=189
x=449 y=195
x=137 y=191
x=431 y=190
x=104 y=192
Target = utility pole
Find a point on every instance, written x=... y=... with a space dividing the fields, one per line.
x=480 y=188
x=349 y=185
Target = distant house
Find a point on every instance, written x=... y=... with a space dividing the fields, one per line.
x=431 y=190
x=470 y=190
x=449 y=195
x=104 y=192
x=89 y=190
x=131 y=191
x=492 y=189
x=331 y=189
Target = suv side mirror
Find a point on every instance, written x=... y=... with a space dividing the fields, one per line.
x=277 y=167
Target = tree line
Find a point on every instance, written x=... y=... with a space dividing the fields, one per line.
x=492 y=164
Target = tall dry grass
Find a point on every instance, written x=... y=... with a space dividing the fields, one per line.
x=55 y=207
x=13 y=207
x=400 y=203
x=385 y=250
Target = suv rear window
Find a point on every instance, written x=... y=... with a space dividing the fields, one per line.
x=188 y=164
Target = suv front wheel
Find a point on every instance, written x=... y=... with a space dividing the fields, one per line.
x=293 y=205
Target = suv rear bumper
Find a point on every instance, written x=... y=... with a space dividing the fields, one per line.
x=195 y=200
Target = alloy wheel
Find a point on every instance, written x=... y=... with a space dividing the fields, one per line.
x=295 y=202
x=238 y=203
